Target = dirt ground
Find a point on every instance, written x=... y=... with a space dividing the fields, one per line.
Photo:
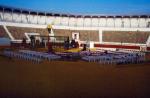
x=60 y=79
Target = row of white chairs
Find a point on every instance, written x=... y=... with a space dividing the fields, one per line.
x=33 y=56
x=116 y=59
x=45 y=56
x=18 y=55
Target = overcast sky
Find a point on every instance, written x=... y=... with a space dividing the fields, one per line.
x=83 y=6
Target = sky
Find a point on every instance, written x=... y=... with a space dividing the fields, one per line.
x=83 y=6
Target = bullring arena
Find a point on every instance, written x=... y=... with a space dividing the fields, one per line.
x=65 y=55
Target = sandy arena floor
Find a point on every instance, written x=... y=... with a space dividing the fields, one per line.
x=22 y=79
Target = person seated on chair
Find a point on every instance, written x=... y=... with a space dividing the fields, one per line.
x=24 y=42
x=73 y=43
x=37 y=42
x=66 y=45
x=106 y=52
x=77 y=45
x=32 y=38
x=84 y=47
x=42 y=44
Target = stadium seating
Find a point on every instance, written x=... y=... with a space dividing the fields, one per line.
x=104 y=31
x=85 y=35
x=126 y=36
x=3 y=32
x=19 y=32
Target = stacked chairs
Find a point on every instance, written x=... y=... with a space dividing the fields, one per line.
x=51 y=57
x=85 y=53
x=92 y=53
x=69 y=55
